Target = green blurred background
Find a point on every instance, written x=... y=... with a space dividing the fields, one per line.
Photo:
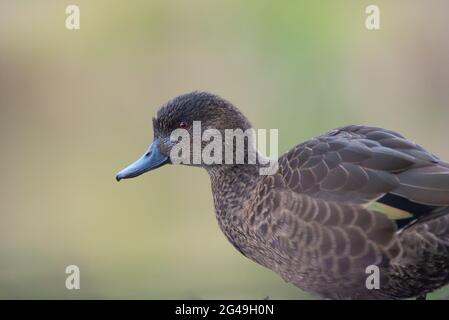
x=76 y=107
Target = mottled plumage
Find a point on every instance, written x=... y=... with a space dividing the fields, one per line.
x=354 y=197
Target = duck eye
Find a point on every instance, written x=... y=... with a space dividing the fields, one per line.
x=182 y=125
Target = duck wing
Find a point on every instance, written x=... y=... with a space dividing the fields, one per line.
x=367 y=166
x=321 y=246
x=325 y=246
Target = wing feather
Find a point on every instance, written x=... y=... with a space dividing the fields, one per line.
x=359 y=165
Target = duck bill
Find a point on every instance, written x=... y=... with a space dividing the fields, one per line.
x=151 y=160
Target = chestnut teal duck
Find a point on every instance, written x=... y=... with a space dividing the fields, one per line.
x=352 y=203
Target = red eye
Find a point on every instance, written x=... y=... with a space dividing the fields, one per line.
x=183 y=125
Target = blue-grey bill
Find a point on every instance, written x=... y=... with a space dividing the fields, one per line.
x=151 y=160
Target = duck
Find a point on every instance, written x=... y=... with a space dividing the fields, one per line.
x=358 y=212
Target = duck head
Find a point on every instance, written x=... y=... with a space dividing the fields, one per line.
x=211 y=111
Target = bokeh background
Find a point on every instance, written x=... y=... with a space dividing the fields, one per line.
x=76 y=107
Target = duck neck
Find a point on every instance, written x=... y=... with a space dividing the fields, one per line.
x=232 y=186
